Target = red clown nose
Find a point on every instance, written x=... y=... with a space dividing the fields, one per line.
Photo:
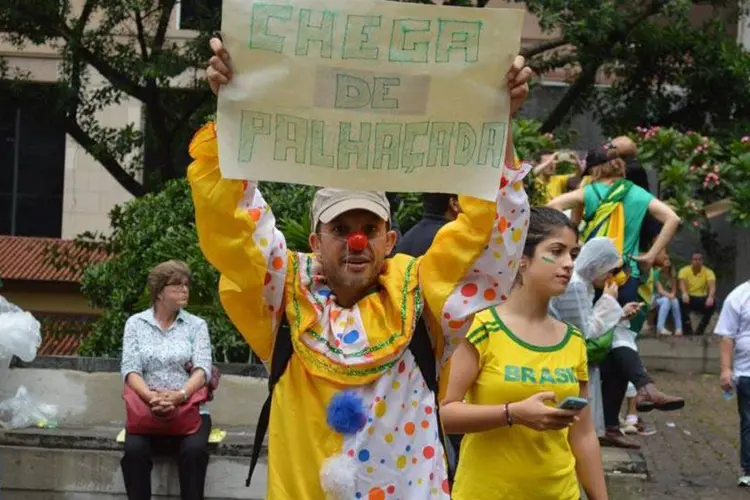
x=357 y=242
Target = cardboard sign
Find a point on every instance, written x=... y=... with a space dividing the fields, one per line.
x=366 y=94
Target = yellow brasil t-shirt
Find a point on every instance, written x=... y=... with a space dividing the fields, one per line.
x=697 y=284
x=517 y=462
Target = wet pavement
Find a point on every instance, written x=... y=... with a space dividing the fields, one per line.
x=695 y=451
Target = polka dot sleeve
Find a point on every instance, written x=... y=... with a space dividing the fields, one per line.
x=472 y=262
x=238 y=236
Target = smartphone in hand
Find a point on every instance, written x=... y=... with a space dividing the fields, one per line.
x=573 y=403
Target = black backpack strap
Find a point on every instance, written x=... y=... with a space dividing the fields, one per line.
x=421 y=348
x=282 y=353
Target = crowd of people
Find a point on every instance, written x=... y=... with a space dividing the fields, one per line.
x=484 y=354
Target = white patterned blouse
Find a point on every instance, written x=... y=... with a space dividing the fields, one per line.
x=159 y=356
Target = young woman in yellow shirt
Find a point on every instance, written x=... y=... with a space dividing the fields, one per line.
x=516 y=364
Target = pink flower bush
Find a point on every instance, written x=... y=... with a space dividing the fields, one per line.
x=696 y=170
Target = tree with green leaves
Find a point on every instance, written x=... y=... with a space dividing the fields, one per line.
x=664 y=67
x=113 y=51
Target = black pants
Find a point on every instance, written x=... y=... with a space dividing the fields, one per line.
x=743 y=405
x=192 y=461
x=696 y=304
x=622 y=365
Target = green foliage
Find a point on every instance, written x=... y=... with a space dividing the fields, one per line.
x=700 y=176
x=698 y=172
x=291 y=206
x=665 y=66
x=145 y=232
x=410 y=211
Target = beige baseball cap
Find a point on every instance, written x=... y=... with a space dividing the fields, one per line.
x=329 y=203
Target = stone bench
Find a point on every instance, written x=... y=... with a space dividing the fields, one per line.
x=84 y=463
x=649 y=328
x=81 y=460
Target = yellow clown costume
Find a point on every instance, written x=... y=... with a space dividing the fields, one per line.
x=397 y=454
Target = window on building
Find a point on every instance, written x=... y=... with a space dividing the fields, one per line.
x=32 y=161
x=199 y=15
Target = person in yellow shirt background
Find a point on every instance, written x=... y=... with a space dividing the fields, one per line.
x=546 y=175
x=698 y=289
x=516 y=364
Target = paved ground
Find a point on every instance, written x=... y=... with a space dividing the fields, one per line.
x=695 y=452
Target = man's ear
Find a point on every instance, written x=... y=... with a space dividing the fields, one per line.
x=390 y=241
x=314 y=241
x=454 y=205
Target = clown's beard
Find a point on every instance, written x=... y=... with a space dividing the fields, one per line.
x=345 y=283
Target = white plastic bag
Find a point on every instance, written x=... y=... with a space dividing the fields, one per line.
x=23 y=411
x=20 y=333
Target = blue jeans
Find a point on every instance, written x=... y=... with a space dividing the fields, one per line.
x=664 y=305
x=743 y=404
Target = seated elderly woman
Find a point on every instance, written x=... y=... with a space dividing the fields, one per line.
x=159 y=345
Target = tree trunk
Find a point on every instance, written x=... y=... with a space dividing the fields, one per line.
x=109 y=163
x=543 y=47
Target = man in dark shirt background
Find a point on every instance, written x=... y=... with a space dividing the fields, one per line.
x=439 y=209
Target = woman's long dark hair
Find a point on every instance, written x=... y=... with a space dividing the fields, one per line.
x=544 y=221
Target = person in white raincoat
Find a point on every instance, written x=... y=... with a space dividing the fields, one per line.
x=576 y=306
x=596 y=265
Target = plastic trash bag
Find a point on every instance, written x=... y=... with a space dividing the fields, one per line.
x=20 y=333
x=22 y=411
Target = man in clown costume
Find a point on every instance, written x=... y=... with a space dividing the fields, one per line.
x=353 y=413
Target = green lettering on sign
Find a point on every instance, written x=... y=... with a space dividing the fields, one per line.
x=291 y=133
x=252 y=124
x=410 y=41
x=349 y=147
x=351 y=92
x=466 y=143
x=439 y=149
x=262 y=14
x=387 y=145
x=491 y=145
x=409 y=159
x=318 y=157
x=315 y=33
x=381 y=91
x=358 y=37
x=458 y=36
